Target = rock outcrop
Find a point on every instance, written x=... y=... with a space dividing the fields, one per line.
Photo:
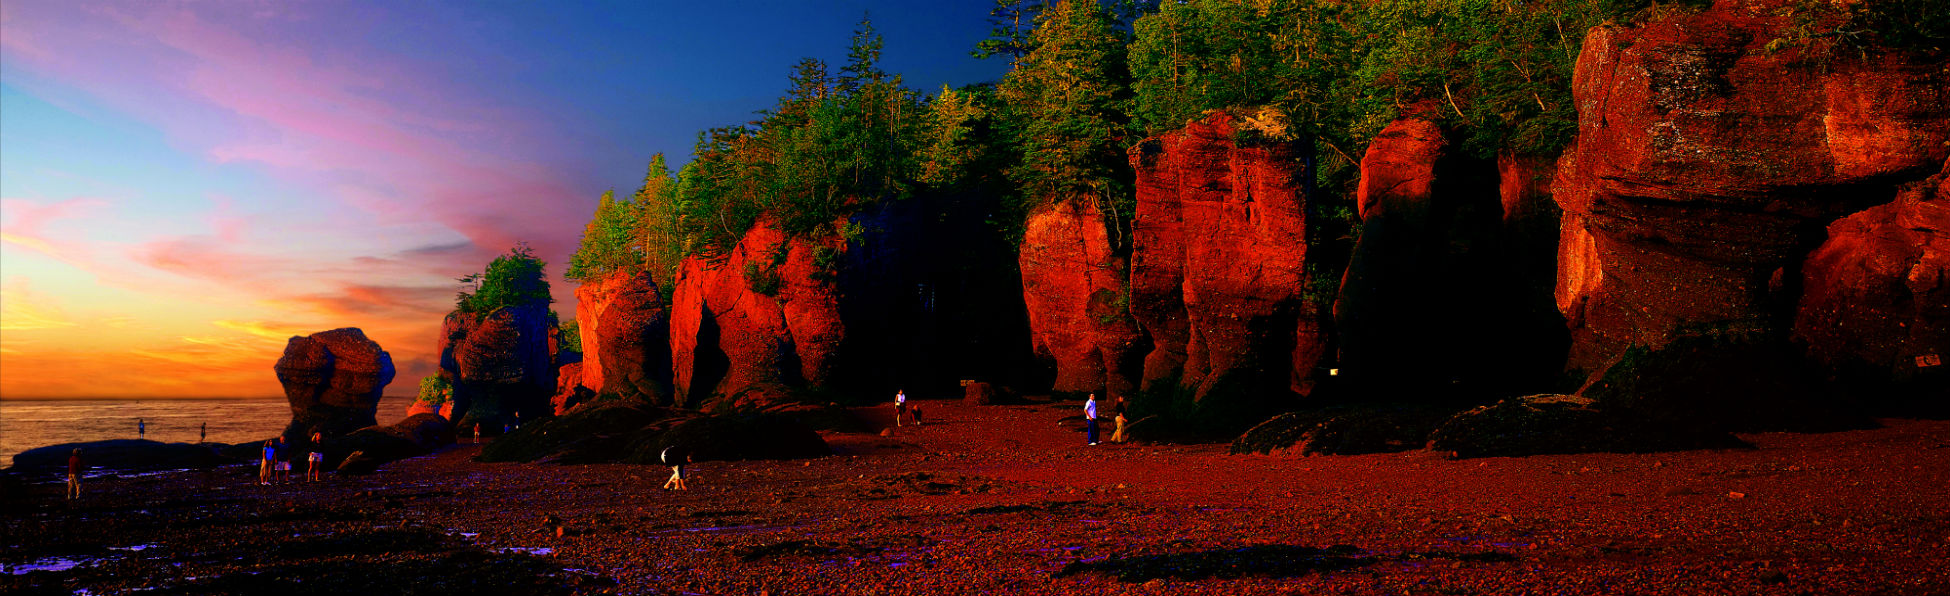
x=625 y=335
x=767 y=314
x=569 y=391
x=333 y=381
x=1079 y=313
x=499 y=364
x=364 y=451
x=1218 y=277
x=1875 y=303
x=1707 y=165
x=1424 y=310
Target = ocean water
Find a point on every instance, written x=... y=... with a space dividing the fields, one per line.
x=26 y=424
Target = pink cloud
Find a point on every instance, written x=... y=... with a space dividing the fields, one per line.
x=25 y=223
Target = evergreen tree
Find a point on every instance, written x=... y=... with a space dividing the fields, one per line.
x=517 y=278
x=1067 y=102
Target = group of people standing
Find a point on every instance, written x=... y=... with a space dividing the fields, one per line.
x=275 y=466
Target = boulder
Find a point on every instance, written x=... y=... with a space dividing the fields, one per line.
x=980 y=393
x=1344 y=430
x=499 y=364
x=1545 y=424
x=333 y=381
x=625 y=333
x=569 y=390
x=1875 y=302
x=1218 y=276
x=768 y=313
x=362 y=452
x=1707 y=164
x=1074 y=289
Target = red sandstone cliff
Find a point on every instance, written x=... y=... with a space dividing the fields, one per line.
x=1218 y=265
x=1876 y=294
x=728 y=336
x=1706 y=166
x=500 y=365
x=1073 y=287
x=625 y=335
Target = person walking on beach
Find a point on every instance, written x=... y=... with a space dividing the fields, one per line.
x=203 y=433
x=675 y=457
x=900 y=406
x=1117 y=436
x=284 y=461
x=477 y=433
x=1090 y=417
x=74 y=474
x=141 y=428
x=265 y=469
x=317 y=458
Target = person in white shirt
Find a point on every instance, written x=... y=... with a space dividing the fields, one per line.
x=900 y=406
x=1090 y=417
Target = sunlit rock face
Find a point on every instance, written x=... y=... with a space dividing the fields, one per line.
x=1706 y=167
x=625 y=333
x=765 y=317
x=1219 y=280
x=1875 y=303
x=1447 y=293
x=333 y=380
x=1073 y=286
x=500 y=364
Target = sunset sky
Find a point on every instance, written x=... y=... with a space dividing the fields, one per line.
x=185 y=185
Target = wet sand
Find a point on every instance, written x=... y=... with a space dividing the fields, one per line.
x=1008 y=499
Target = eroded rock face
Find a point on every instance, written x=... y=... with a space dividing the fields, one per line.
x=1424 y=296
x=499 y=364
x=767 y=315
x=333 y=380
x=1218 y=268
x=625 y=337
x=569 y=391
x=1073 y=287
x=1876 y=294
x=1706 y=166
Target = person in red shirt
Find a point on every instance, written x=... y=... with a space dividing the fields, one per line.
x=74 y=474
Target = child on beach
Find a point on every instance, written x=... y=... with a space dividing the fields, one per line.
x=74 y=474
x=675 y=457
x=1118 y=435
x=317 y=458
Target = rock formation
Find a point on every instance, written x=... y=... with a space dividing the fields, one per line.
x=1707 y=165
x=1421 y=307
x=569 y=391
x=499 y=364
x=1074 y=289
x=1218 y=277
x=1875 y=303
x=333 y=380
x=766 y=315
x=625 y=337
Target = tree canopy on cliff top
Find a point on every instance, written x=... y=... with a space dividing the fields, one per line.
x=517 y=278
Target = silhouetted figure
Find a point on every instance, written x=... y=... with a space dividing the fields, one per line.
x=203 y=433
x=74 y=474
x=141 y=428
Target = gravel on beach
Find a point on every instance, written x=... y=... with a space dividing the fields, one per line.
x=1009 y=499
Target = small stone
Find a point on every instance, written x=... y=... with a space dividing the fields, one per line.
x=1772 y=576
x=1736 y=495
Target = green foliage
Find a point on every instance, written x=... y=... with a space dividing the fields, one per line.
x=608 y=242
x=763 y=279
x=514 y=279
x=1012 y=22
x=831 y=147
x=1822 y=26
x=571 y=333
x=435 y=390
